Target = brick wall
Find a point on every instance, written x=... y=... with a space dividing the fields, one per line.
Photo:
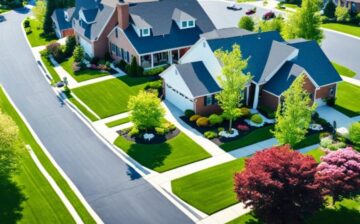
x=68 y=32
x=203 y=110
x=269 y=100
x=325 y=91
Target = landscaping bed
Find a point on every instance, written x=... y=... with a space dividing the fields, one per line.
x=175 y=152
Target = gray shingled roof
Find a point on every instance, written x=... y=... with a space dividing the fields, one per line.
x=139 y=22
x=198 y=79
x=90 y=14
x=179 y=15
x=225 y=33
x=58 y=17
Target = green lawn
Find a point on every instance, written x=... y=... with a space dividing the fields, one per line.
x=344 y=71
x=291 y=6
x=316 y=153
x=47 y=63
x=83 y=109
x=176 y=152
x=308 y=141
x=349 y=29
x=118 y=122
x=253 y=137
x=83 y=75
x=211 y=190
x=345 y=211
x=110 y=97
x=36 y=36
x=30 y=198
x=3 y=10
x=348 y=99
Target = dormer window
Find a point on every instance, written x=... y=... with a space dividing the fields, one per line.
x=141 y=27
x=145 y=32
x=183 y=19
x=187 y=24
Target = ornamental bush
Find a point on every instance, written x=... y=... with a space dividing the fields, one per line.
x=202 y=122
x=256 y=118
x=247 y=23
x=133 y=132
x=79 y=54
x=342 y=14
x=215 y=119
x=210 y=134
x=194 y=117
x=160 y=131
x=245 y=112
x=354 y=133
x=243 y=127
x=188 y=113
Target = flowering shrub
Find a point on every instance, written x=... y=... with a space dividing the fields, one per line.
x=243 y=127
x=339 y=173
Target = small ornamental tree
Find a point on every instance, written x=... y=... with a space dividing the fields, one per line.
x=146 y=111
x=232 y=81
x=279 y=185
x=339 y=173
x=342 y=14
x=39 y=10
x=247 y=23
x=79 y=53
x=293 y=116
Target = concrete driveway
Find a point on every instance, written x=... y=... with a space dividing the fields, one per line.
x=331 y=115
x=114 y=190
x=340 y=48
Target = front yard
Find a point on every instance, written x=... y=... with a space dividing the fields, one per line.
x=35 y=34
x=349 y=29
x=111 y=97
x=211 y=190
x=175 y=152
x=344 y=71
x=348 y=99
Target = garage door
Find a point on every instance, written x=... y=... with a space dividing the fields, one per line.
x=176 y=98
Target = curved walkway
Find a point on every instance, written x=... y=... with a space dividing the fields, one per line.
x=113 y=189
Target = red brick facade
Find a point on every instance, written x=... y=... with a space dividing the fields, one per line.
x=269 y=100
x=68 y=32
x=203 y=110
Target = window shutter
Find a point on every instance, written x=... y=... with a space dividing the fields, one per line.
x=205 y=101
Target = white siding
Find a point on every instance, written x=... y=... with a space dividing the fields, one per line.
x=88 y=48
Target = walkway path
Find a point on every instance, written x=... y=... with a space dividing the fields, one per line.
x=330 y=114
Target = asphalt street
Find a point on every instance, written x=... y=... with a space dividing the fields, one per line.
x=116 y=192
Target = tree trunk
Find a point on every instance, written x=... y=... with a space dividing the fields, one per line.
x=230 y=125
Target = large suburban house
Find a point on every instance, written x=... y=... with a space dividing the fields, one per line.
x=154 y=32
x=273 y=63
x=62 y=22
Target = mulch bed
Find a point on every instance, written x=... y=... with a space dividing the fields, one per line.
x=158 y=139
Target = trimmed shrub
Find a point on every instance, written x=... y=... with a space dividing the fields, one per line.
x=247 y=23
x=243 y=127
x=202 y=122
x=354 y=133
x=168 y=126
x=154 y=85
x=245 y=112
x=221 y=129
x=133 y=132
x=79 y=54
x=122 y=65
x=210 y=134
x=330 y=101
x=194 y=118
x=134 y=69
x=215 y=119
x=70 y=46
x=342 y=14
x=324 y=134
x=189 y=113
x=154 y=71
x=160 y=131
x=256 y=118
x=55 y=50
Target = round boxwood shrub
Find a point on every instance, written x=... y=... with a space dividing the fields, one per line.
x=257 y=119
x=215 y=119
x=189 y=113
x=194 y=118
x=202 y=122
x=210 y=134
x=160 y=131
x=245 y=112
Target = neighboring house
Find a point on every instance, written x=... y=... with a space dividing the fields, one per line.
x=272 y=62
x=157 y=32
x=353 y=5
x=62 y=22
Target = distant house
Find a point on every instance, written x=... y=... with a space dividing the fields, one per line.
x=273 y=63
x=62 y=22
x=353 y=5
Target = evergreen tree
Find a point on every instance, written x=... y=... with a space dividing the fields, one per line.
x=48 y=23
x=329 y=9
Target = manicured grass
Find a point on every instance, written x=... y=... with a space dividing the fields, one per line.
x=308 y=141
x=83 y=109
x=345 y=211
x=211 y=190
x=118 y=122
x=110 y=97
x=83 y=75
x=291 y=6
x=253 y=137
x=349 y=29
x=42 y=204
x=316 y=153
x=176 y=152
x=47 y=63
x=36 y=36
x=3 y=10
x=348 y=99
x=344 y=71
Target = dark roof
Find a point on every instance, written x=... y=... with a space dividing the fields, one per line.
x=179 y=15
x=58 y=17
x=197 y=78
x=255 y=46
x=99 y=13
x=225 y=33
x=164 y=30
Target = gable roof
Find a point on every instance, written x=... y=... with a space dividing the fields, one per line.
x=58 y=17
x=179 y=15
x=139 y=22
x=197 y=78
x=89 y=14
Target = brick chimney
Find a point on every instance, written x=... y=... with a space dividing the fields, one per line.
x=123 y=15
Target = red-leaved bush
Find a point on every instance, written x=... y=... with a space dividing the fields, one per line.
x=339 y=173
x=279 y=185
x=243 y=127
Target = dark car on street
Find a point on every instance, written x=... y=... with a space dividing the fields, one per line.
x=234 y=7
x=251 y=11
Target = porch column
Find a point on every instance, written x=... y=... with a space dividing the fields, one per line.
x=247 y=95
x=256 y=96
x=170 y=57
x=152 y=60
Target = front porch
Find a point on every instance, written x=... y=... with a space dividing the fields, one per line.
x=161 y=58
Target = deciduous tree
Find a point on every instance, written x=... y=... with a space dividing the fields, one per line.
x=293 y=116
x=232 y=81
x=39 y=10
x=279 y=185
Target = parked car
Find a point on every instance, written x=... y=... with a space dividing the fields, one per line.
x=234 y=7
x=2 y=18
x=269 y=15
x=251 y=11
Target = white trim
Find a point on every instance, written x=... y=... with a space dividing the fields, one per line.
x=256 y=97
x=192 y=48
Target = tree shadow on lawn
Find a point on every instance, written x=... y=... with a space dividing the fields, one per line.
x=346 y=111
x=340 y=214
x=152 y=156
x=134 y=81
x=11 y=198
